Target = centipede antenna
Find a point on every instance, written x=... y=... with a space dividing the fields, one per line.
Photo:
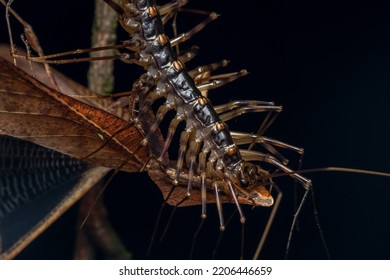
x=221 y=233
x=154 y=233
x=294 y=221
x=102 y=190
x=242 y=241
x=296 y=189
x=195 y=237
x=317 y=219
x=173 y=212
x=269 y=223
x=333 y=169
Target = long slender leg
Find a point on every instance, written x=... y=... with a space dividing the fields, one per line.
x=188 y=55
x=221 y=80
x=241 y=138
x=203 y=216
x=187 y=35
x=180 y=159
x=171 y=131
x=202 y=72
x=161 y=112
x=240 y=103
x=248 y=109
x=185 y=136
x=257 y=156
x=30 y=37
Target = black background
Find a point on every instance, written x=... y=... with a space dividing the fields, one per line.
x=326 y=62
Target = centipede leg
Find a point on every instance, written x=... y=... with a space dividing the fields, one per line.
x=183 y=146
x=268 y=143
x=192 y=156
x=192 y=152
x=219 y=208
x=240 y=103
x=151 y=97
x=221 y=80
x=170 y=9
x=201 y=72
x=268 y=121
x=203 y=216
x=188 y=55
x=202 y=170
x=193 y=149
x=187 y=35
x=246 y=105
x=211 y=172
x=240 y=107
x=161 y=112
x=257 y=156
x=249 y=109
x=171 y=131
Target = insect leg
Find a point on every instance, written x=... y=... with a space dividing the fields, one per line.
x=223 y=108
x=241 y=138
x=248 y=109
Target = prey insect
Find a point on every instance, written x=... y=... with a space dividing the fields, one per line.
x=173 y=178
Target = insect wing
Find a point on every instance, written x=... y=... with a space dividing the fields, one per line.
x=29 y=110
x=37 y=185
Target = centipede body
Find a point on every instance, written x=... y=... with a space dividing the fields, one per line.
x=296 y=66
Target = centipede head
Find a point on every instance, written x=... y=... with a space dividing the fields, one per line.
x=250 y=185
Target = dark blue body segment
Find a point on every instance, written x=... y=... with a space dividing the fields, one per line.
x=221 y=138
x=205 y=114
x=183 y=85
x=163 y=54
x=151 y=26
